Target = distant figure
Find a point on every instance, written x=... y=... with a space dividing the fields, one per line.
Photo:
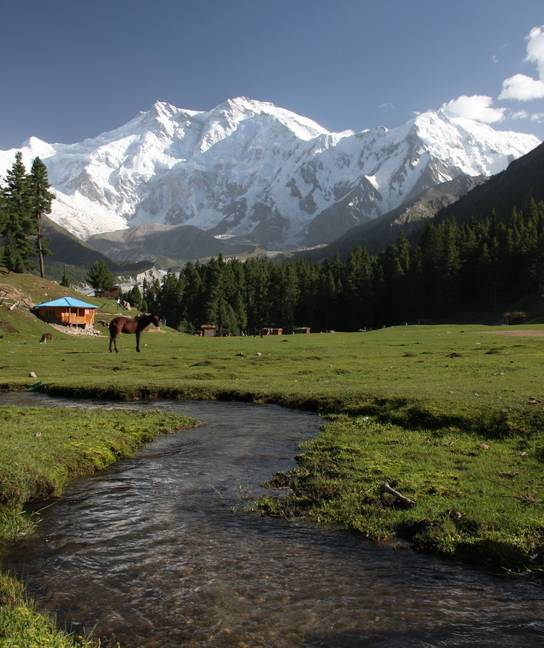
x=135 y=325
x=46 y=337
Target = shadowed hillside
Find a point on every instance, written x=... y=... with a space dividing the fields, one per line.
x=514 y=187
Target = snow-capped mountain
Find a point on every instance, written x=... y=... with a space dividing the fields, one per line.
x=251 y=169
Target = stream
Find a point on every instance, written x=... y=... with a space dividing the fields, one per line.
x=158 y=551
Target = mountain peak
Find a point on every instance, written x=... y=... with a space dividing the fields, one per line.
x=159 y=106
x=245 y=103
x=251 y=168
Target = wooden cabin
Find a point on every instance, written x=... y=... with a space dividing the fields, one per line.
x=67 y=311
x=302 y=330
x=207 y=330
x=271 y=330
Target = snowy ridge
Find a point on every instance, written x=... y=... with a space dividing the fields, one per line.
x=252 y=169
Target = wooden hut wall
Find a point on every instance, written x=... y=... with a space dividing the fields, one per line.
x=67 y=316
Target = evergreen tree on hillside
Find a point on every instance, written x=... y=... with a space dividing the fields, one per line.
x=171 y=299
x=41 y=199
x=257 y=294
x=134 y=297
x=192 y=306
x=100 y=277
x=213 y=292
x=65 y=281
x=306 y=306
x=3 y=209
x=18 y=226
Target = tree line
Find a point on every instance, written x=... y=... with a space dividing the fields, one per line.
x=24 y=200
x=476 y=266
x=452 y=267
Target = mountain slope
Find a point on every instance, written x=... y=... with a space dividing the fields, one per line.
x=251 y=169
x=514 y=187
x=66 y=249
x=409 y=218
x=153 y=241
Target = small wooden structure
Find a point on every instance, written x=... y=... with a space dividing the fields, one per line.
x=207 y=330
x=109 y=293
x=271 y=330
x=67 y=311
x=302 y=330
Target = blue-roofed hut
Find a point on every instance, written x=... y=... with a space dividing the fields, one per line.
x=67 y=311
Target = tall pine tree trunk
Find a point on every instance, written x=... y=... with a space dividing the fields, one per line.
x=40 y=249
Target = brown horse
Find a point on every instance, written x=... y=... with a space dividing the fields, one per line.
x=131 y=325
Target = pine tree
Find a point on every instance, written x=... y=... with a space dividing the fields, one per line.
x=170 y=299
x=18 y=226
x=257 y=294
x=134 y=297
x=100 y=277
x=65 y=281
x=41 y=199
x=192 y=307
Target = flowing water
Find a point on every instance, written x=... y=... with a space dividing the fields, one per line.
x=157 y=551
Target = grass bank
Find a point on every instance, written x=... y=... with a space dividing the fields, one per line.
x=474 y=498
x=22 y=626
x=41 y=451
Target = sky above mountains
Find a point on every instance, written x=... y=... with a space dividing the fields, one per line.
x=74 y=69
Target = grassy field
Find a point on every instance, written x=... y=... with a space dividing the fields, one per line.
x=449 y=370
x=38 y=457
x=451 y=416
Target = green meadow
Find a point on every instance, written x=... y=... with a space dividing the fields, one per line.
x=442 y=371
x=450 y=417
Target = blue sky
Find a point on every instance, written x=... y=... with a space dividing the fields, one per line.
x=74 y=68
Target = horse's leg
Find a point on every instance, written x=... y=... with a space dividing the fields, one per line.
x=113 y=340
x=138 y=341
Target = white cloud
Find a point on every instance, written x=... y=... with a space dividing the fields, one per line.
x=519 y=114
x=477 y=107
x=535 y=49
x=521 y=87
x=494 y=58
x=387 y=106
x=523 y=114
